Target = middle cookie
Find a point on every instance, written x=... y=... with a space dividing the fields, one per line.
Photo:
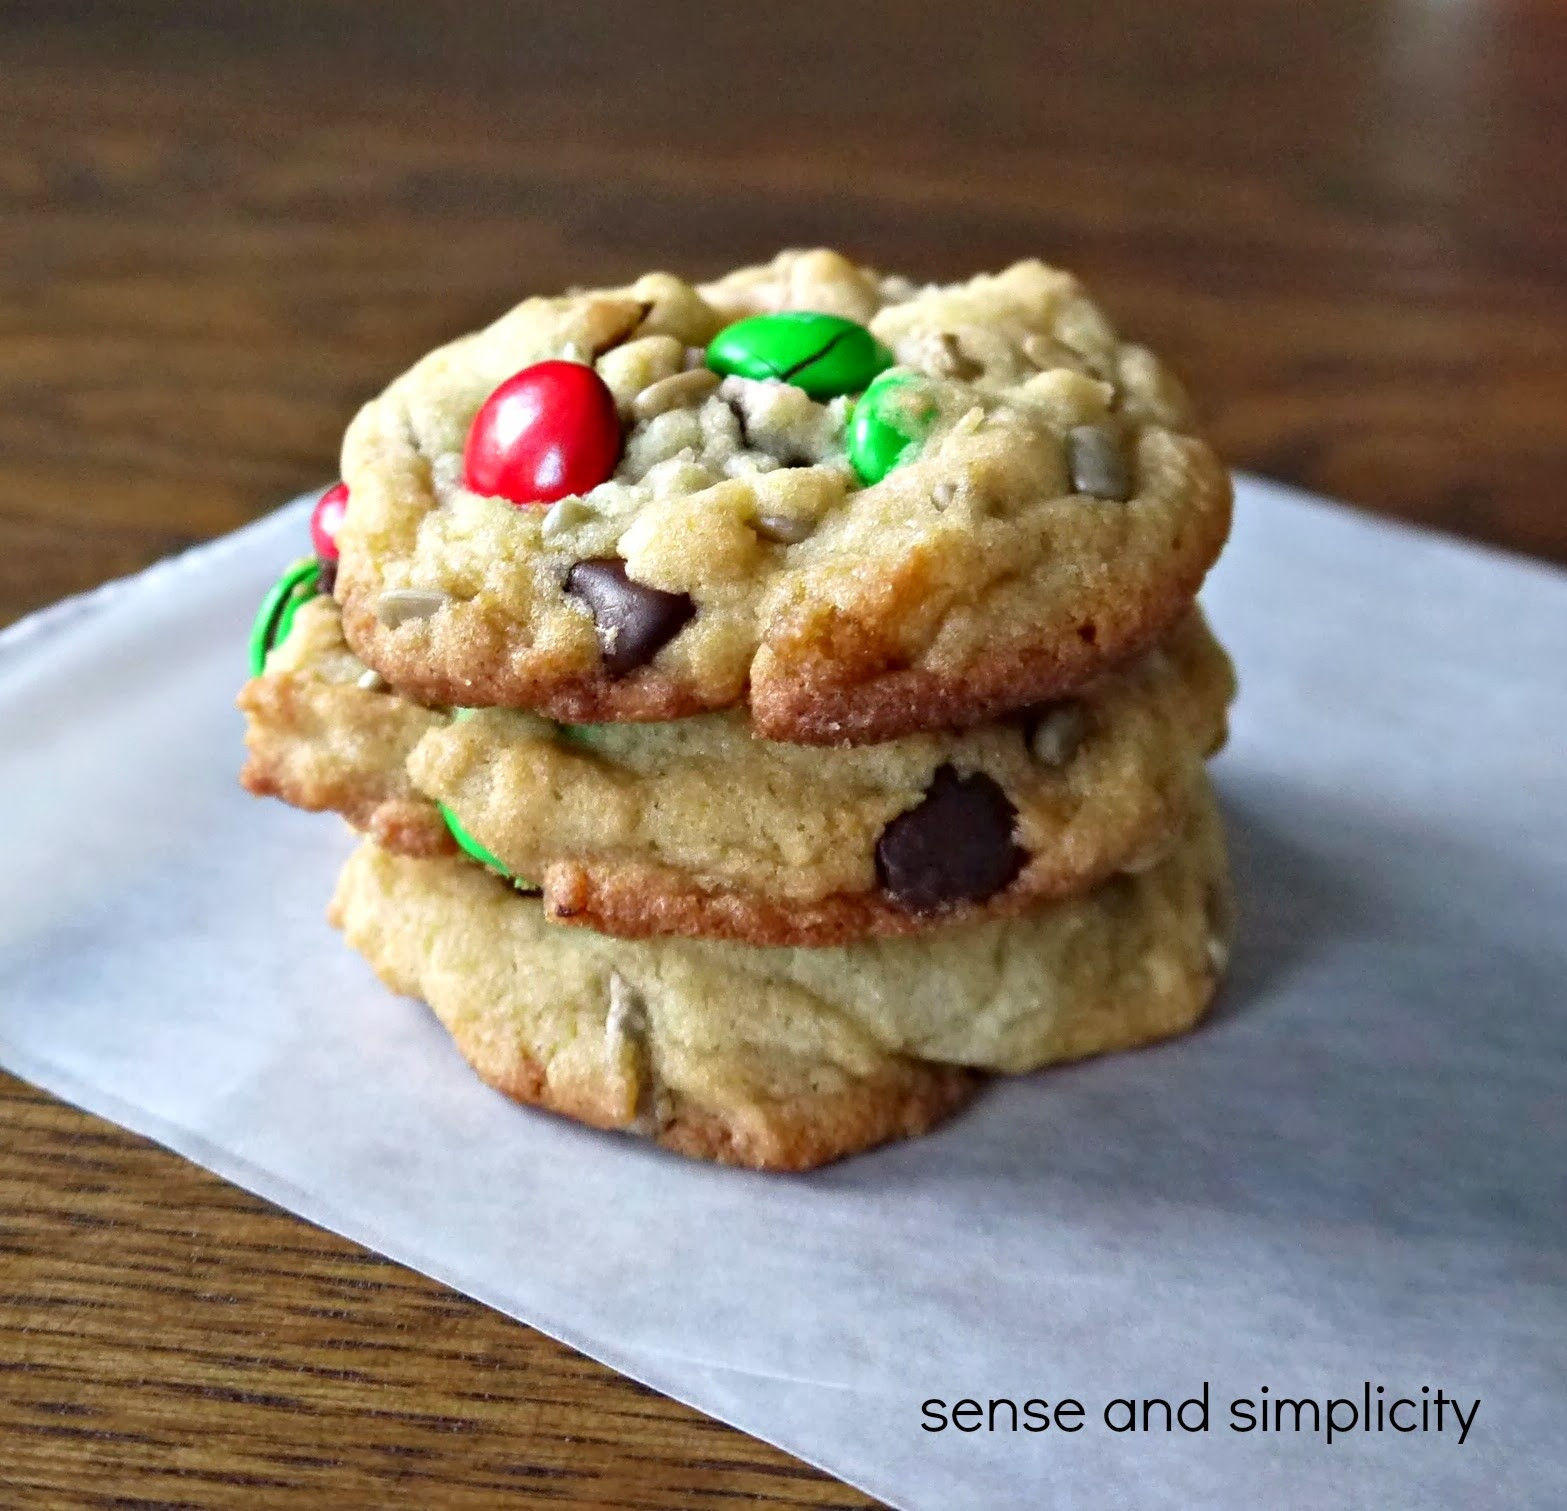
x=700 y=828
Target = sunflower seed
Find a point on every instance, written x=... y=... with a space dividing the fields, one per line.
x=784 y=529
x=398 y=605
x=626 y=1055
x=1044 y=353
x=941 y=355
x=1099 y=466
x=627 y=1019
x=1057 y=733
x=677 y=391
x=563 y=515
x=622 y=332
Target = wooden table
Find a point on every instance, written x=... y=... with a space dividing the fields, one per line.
x=1346 y=222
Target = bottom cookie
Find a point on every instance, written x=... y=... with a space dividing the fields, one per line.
x=784 y=1059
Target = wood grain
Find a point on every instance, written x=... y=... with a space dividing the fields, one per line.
x=222 y=227
x=168 y=1340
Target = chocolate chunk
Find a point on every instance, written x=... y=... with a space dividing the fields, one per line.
x=956 y=846
x=328 y=577
x=1098 y=463
x=633 y=620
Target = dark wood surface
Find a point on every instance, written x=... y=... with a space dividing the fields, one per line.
x=222 y=227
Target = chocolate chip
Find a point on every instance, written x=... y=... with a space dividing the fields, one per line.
x=328 y=578
x=1098 y=463
x=956 y=846
x=633 y=620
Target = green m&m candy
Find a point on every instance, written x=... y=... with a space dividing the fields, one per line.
x=275 y=618
x=889 y=424
x=486 y=858
x=825 y=355
x=471 y=846
x=466 y=842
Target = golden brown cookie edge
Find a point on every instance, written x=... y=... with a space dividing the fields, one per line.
x=280 y=709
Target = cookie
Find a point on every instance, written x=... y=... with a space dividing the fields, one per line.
x=785 y=1059
x=864 y=508
x=698 y=827
x=321 y=733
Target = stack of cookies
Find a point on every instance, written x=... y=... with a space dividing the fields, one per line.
x=768 y=706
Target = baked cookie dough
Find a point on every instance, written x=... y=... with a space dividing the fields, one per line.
x=784 y=1059
x=1045 y=512
x=699 y=827
x=323 y=734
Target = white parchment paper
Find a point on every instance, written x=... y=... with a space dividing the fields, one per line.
x=1355 y=1177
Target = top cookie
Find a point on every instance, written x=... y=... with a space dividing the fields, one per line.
x=949 y=502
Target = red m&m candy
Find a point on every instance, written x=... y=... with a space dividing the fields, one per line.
x=548 y=431
x=325 y=518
